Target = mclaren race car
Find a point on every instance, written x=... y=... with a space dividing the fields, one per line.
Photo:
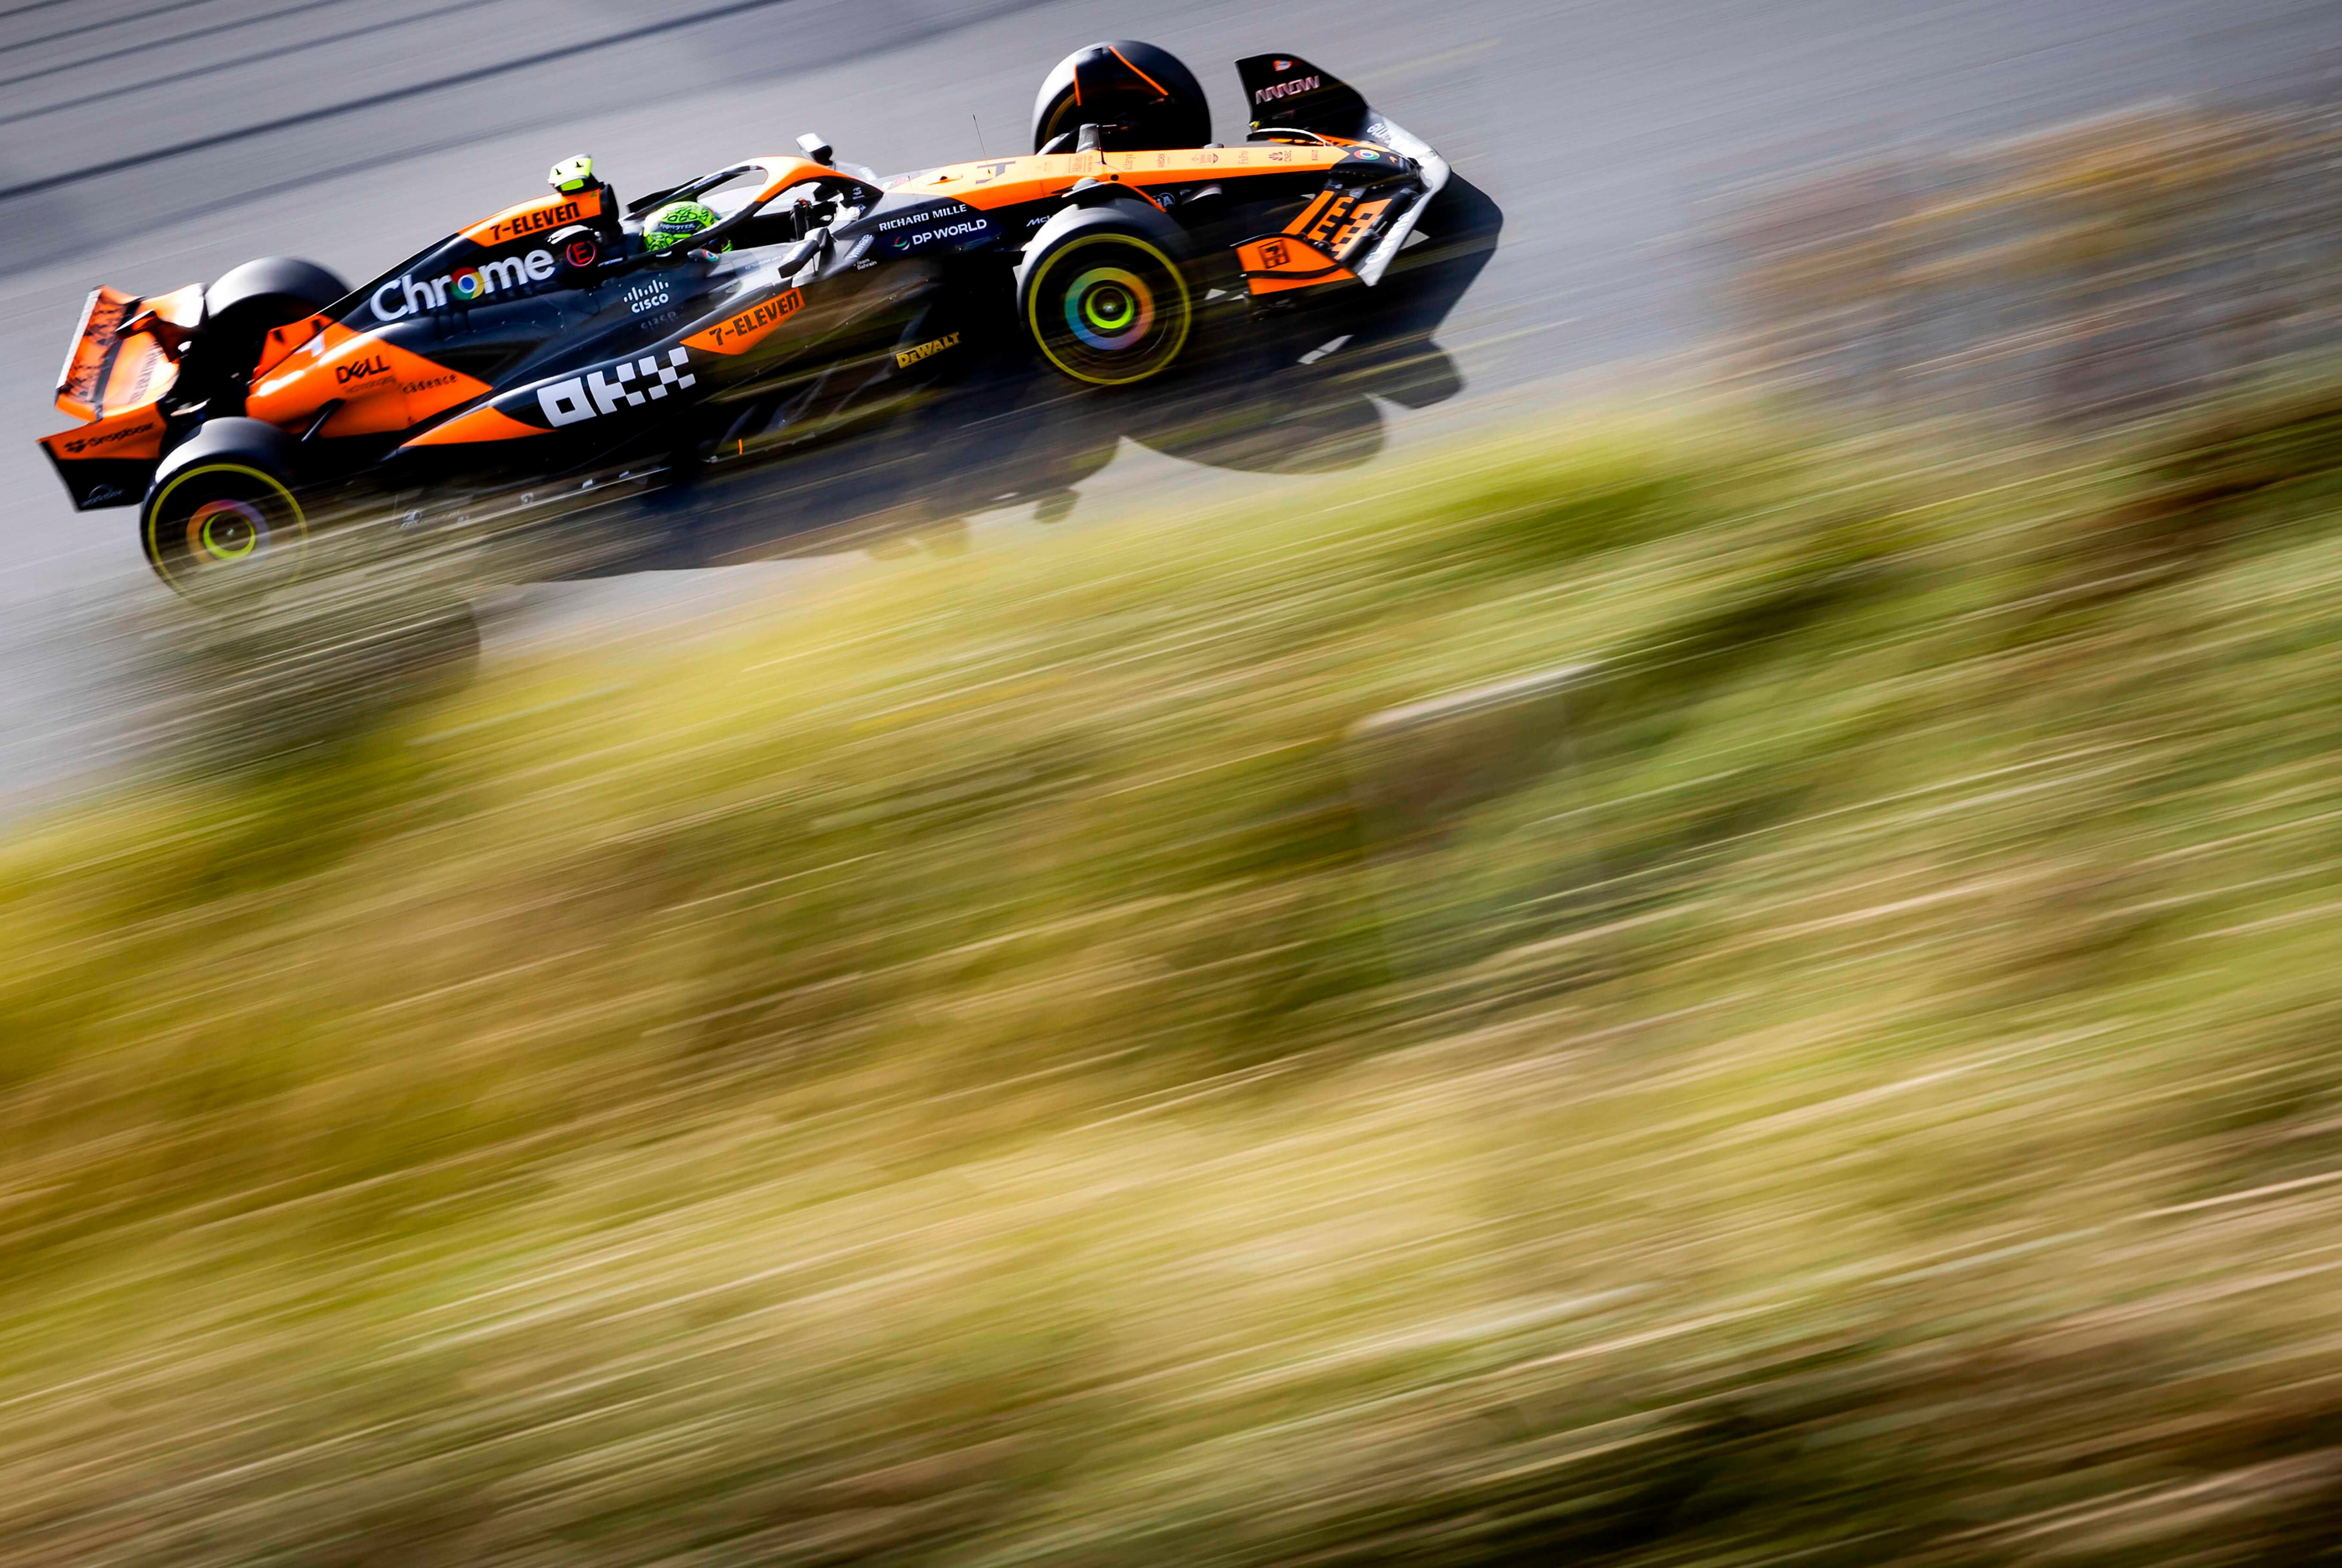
x=561 y=336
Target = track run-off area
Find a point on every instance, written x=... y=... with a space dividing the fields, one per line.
x=148 y=145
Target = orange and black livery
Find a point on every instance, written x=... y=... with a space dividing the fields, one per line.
x=554 y=336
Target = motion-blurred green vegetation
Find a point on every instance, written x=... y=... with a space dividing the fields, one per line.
x=950 y=1073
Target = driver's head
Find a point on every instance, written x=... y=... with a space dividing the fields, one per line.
x=676 y=222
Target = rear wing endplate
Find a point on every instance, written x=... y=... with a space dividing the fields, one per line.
x=109 y=367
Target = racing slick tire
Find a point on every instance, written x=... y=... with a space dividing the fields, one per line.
x=1104 y=292
x=1141 y=98
x=240 y=308
x=221 y=517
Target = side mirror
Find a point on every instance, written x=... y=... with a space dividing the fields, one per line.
x=820 y=151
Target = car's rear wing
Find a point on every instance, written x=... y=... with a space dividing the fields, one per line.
x=1286 y=92
x=124 y=358
x=121 y=354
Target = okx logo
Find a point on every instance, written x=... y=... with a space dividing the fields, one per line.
x=606 y=389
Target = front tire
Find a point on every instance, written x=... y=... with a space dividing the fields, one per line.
x=1103 y=294
x=1140 y=97
x=221 y=517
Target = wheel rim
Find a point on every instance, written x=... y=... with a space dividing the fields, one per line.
x=219 y=532
x=1109 y=309
x=220 y=526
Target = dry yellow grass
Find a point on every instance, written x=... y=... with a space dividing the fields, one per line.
x=945 y=1075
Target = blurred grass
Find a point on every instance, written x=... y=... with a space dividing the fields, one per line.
x=947 y=1075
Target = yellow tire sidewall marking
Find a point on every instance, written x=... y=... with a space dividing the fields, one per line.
x=154 y=509
x=1049 y=264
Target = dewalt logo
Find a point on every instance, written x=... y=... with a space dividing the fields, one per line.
x=911 y=356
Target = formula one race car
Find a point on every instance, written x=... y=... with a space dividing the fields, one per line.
x=568 y=331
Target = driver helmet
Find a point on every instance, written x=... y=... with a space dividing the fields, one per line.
x=676 y=222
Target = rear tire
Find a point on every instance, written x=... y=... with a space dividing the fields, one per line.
x=238 y=310
x=1104 y=294
x=221 y=518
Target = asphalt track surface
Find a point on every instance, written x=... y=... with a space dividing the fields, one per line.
x=152 y=142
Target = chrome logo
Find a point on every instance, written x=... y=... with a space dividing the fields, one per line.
x=467 y=285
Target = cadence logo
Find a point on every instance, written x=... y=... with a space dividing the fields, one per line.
x=1276 y=90
x=404 y=296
